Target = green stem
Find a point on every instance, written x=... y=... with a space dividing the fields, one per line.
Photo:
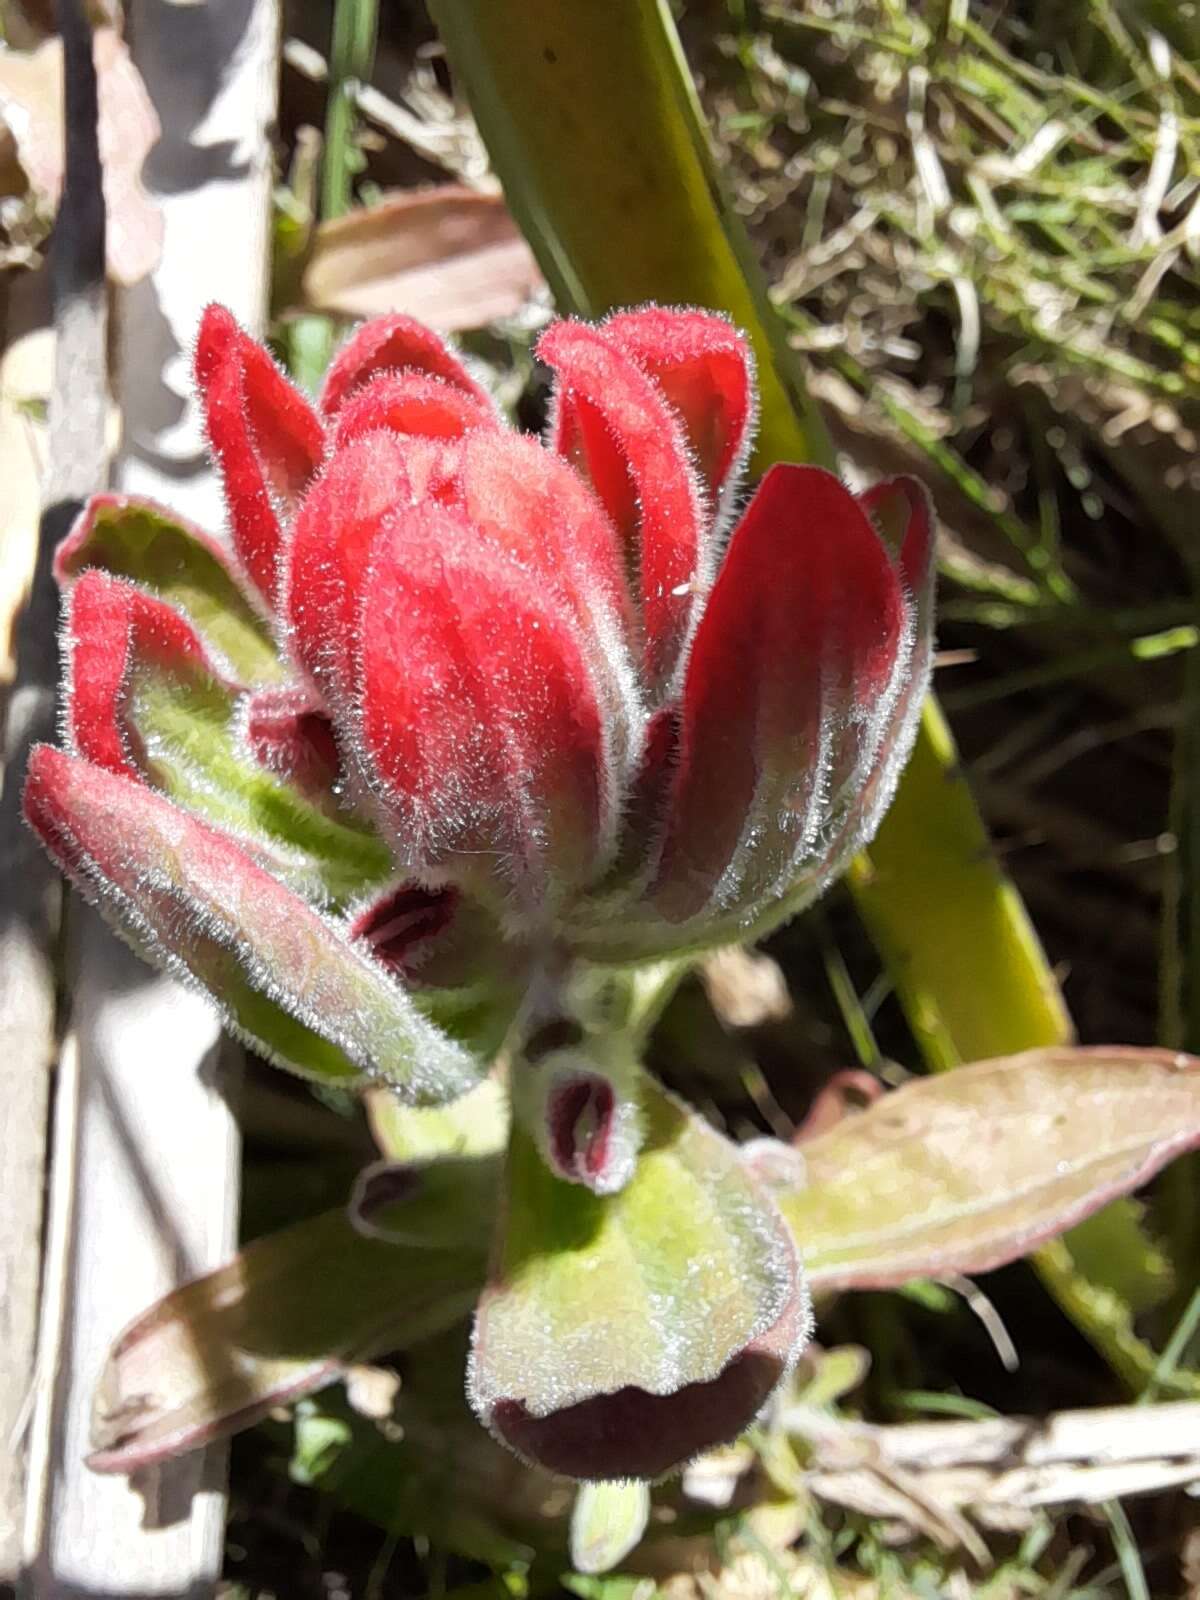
x=351 y=58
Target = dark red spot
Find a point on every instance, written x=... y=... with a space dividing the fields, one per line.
x=293 y=740
x=401 y=924
x=581 y=1116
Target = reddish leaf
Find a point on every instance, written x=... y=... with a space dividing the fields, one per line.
x=194 y=902
x=393 y=344
x=290 y=1314
x=964 y=1171
x=266 y=439
x=113 y=628
x=612 y=422
x=790 y=686
x=704 y=367
x=478 y=718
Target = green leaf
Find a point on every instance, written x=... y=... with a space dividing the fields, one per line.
x=621 y=1334
x=288 y=1315
x=967 y=1170
x=476 y=1124
x=184 y=566
x=188 y=729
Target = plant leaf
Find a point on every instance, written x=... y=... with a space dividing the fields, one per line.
x=184 y=566
x=450 y=256
x=288 y=1315
x=31 y=114
x=474 y=1125
x=970 y=1169
x=146 y=700
x=621 y=1334
x=193 y=901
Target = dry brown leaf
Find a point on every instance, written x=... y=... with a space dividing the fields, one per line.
x=26 y=372
x=31 y=101
x=450 y=256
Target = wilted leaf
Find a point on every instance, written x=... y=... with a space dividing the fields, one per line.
x=450 y=256
x=26 y=377
x=970 y=1169
x=184 y=566
x=291 y=1313
x=31 y=101
x=621 y=1334
x=192 y=901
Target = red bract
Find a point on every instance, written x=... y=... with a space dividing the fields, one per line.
x=454 y=712
x=548 y=675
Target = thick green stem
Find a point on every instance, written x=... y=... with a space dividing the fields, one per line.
x=951 y=928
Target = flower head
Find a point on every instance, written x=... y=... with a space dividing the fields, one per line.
x=453 y=708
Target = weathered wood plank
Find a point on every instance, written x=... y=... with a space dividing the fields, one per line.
x=146 y=1158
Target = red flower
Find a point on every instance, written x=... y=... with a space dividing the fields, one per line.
x=453 y=712
x=552 y=677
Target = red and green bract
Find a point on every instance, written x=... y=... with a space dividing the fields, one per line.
x=453 y=708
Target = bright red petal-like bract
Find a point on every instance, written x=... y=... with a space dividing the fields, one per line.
x=478 y=720
x=413 y=403
x=292 y=736
x=790 y=686
x=112 y=628
x=329 y=550
x=613 y=423
x=704 y=368
x=394 y=344
x=267 y=440
x=530 y=505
